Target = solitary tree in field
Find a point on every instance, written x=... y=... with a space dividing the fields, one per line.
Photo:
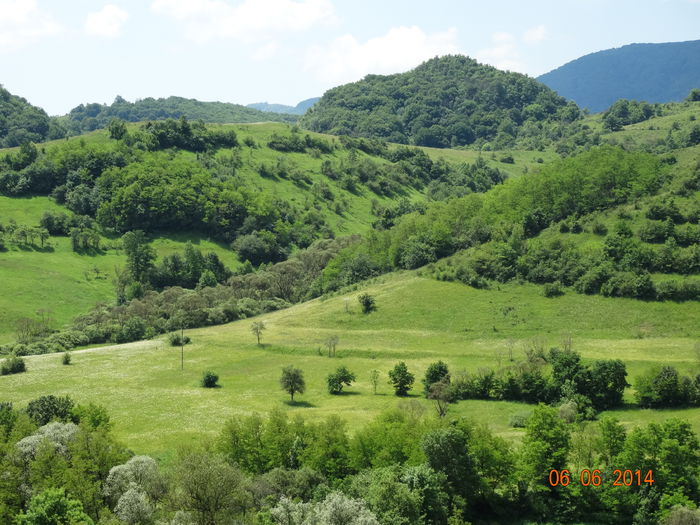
x=367 y=303
x=374 y=379
x=331 y=343
x=401 y=379
x=441 y=394
x=257 y=328
x=292 y=381
x=341 y=377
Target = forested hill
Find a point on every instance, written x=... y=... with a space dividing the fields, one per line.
x=88 y=117
x=299 y=109
x=649 y=72
x=446 y=101
x=21 y=122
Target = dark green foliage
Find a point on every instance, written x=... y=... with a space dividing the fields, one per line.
x=140 y=255
x=20 y=122
x=341 y=377
x=437 y=371
x=117 y=129
x=624 y=112
x=50 y=408
x=88 y=117
x=401 y=379
x=66 y=358
x=176 y=339
x=367 y=303
x=635 y=71
x=258 y=248
x=444 y=102
x=552 y=289
x=182 y=134
x=292 y=381
x=209 y=379
x=447 y=451
x=12 y=364
x=665 y=387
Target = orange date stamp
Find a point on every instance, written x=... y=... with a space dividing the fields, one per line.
x=595 y=478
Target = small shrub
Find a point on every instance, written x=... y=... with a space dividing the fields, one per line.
x=66 y=358
x=210 y=379
x=12 y=364
x=178 y=340
x=553 y=289
x=518 y=420
x=367 y=303
x=599 y=228
x=564 y=227
x=508 y=159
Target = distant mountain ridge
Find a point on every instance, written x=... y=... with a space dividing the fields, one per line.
x=88 y=117
x=299 y=109
x=650 y=72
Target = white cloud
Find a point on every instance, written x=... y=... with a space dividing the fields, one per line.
x=503 y=54
x=536 y=34
x=23 y=22
x=248 y=21
x=265 y=52
x=106 y=22
x=400 y=49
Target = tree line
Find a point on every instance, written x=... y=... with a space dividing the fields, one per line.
x=62 y=464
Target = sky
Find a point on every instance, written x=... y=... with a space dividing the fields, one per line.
x=60 y=53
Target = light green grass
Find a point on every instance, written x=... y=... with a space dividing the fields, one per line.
x=157 y=407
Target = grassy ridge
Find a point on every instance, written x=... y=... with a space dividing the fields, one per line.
x=157 y=407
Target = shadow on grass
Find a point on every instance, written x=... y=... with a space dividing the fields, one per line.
x=347 y=393
x=303 y=404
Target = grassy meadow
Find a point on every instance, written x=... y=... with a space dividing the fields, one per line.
x=156 y=406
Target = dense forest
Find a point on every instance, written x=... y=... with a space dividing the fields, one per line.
x=444 y=102
x=648 y=72
x=21 y=122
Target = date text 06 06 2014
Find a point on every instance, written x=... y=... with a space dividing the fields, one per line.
x=619 y=478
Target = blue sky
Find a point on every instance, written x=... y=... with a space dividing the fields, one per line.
x=60 y=53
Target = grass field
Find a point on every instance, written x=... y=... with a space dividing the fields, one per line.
x=59 y=280
x=157 y=407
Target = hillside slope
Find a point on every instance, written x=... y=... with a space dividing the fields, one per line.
x=336 y=193
x=650 y=72
x=446 y=101
x=417 y=321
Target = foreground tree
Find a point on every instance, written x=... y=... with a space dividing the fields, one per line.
x=53 y=507
x=209 y=487
x=292 y=381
